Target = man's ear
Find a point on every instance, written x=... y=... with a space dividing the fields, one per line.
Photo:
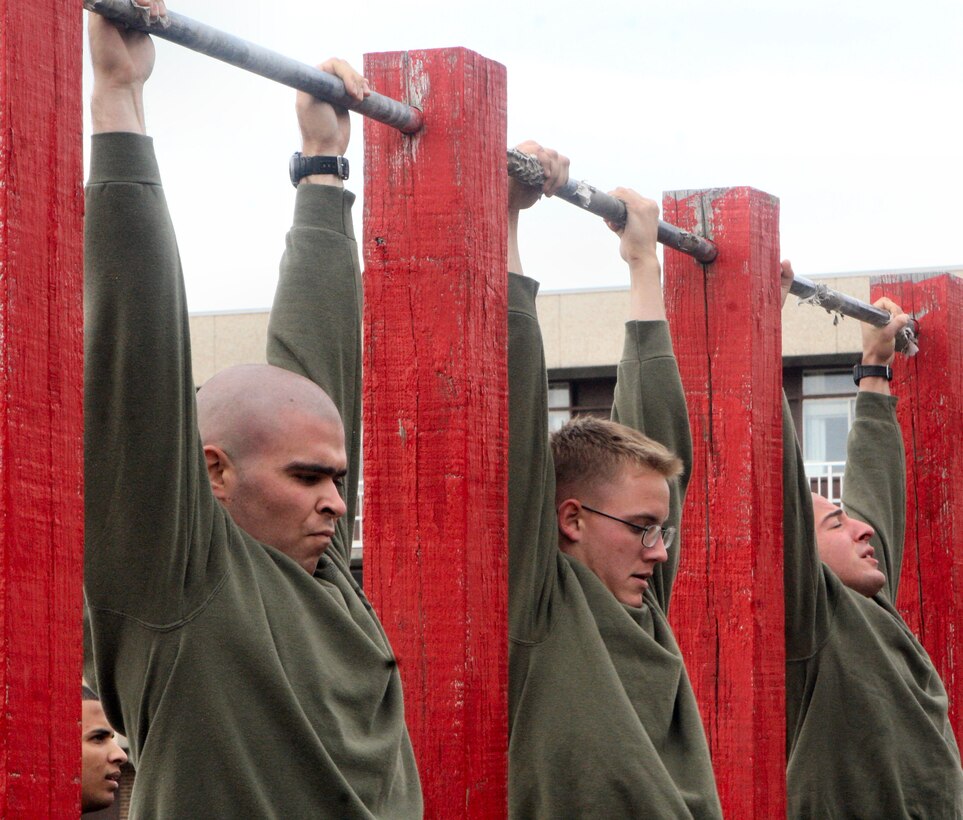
x=570 y=520
x=220 y=471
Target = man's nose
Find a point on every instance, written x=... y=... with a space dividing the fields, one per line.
x=658 y=553
x=119 y=755
x=332 y=502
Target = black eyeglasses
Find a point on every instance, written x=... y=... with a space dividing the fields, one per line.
x=650 y=533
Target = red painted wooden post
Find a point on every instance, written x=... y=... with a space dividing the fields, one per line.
x=930 y=411
x=727 y=607
x=435 y=408
x=41 y=391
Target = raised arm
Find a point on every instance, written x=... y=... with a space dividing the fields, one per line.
x=648 y=391
x=533 y=531
x=805 y=593
x=149 y=509
x=874 y=485
x=315 y=326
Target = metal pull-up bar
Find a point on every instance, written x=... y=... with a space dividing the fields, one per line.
x=527 y=169
x=254 y=58
x=212 y=42
x=835 y=302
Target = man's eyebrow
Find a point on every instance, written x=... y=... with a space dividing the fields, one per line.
x=317 y=469
x=835 y=513
x=643 y=519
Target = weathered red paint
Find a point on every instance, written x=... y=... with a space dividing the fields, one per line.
x=727 y=606
x=435 y=407
x=41 y=392
x=930 y=411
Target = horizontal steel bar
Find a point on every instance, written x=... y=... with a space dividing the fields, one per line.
x=527 y=169
x=835 y=302
x=240 y=53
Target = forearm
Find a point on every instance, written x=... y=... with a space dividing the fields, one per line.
x=117 y=108
x=645 y=290
x=875 y=384
x=514 y=254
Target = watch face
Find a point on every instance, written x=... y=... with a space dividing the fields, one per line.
x=294 y=168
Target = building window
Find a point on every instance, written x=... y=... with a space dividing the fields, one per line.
x=559 y=405
x=579 y=396
x=828 y=408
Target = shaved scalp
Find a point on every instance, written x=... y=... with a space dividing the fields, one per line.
x=242 y=408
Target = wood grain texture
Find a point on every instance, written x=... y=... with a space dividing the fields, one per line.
x=435 y=416
x=930 y=411
x=727 y=606
x=41 y=407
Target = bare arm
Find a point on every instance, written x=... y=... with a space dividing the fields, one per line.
x=122 y=61
x=637 y=247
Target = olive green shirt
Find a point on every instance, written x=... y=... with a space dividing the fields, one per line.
x=247 y=687
x=603 y=721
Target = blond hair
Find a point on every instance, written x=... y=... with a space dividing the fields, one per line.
x=589 y=451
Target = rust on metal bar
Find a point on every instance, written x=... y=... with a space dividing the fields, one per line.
x=840 y=303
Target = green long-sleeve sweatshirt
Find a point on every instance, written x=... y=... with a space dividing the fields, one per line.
x=603 y=721
x=247 y=687
x=868 y=735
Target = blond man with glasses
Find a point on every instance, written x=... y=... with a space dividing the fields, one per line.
x=603 y=721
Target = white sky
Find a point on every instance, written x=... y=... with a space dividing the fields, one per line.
x=848 y=111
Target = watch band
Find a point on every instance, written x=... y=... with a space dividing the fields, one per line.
x=301 y=166
x=861 y=371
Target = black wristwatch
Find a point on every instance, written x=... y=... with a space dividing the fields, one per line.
x=861 y=371
x=302 y=166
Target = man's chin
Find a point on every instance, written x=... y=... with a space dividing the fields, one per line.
x=871 y=583
x=97 y=804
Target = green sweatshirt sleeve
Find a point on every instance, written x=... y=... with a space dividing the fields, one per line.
x=808 y=612
x=649 y=398
x=532 y=527
x=874 y=484
x=150 y=514
x=315 y=325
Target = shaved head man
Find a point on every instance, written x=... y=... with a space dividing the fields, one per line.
x=219 y=522
x=274 y=447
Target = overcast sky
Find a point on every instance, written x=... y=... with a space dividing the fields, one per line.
x=849 y=112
